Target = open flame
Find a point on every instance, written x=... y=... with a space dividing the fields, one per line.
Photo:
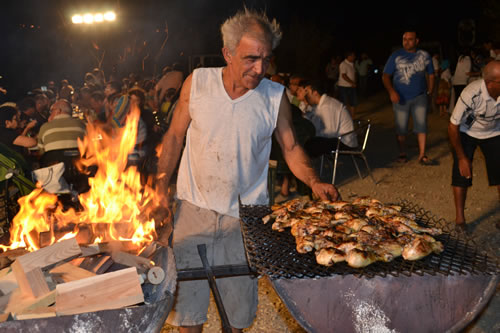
x=115 y=208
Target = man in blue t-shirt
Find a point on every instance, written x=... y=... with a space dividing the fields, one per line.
x=412 y=82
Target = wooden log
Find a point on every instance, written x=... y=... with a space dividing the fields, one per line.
x=155 y=275
x=68 y=272
x=101 y=292
x=127 y=259
x=111 y=246
x=32 y=283
x=28 y=268
x=13 y=254
x=149 y=250
x=8 y=281
x=97 y=264
x=15 y=302
x=5 y=262
x=90 y=250
x=4 y=317
x=50 y=255
x=43 y=312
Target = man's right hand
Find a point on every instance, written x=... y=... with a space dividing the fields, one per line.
x=394 y=96
x=465 y=167
x=163 y=223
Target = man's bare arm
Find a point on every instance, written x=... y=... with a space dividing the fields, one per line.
x=464 y=164
x=295 y=156
x=430 y=83
x=386 y=80
x=173 y=140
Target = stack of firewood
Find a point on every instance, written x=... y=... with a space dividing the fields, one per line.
x=66 y=278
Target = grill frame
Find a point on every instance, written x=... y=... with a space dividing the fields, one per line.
x=271 y=253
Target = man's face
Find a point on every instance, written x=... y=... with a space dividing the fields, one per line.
x=42 y=104
x=309 y=95
x=294 y=85
x=410 y=41
x=493 y=87
x=249 y=61
x=301 y=94
x=109 y=90
x=30 y=112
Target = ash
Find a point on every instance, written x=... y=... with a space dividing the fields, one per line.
x=368 y=317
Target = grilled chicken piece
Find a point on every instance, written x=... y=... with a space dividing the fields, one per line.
x=306 y=227
x=391 y=247
x=420 y=247
x=329 y=256
x=338 y=205
x=358 y=258
x=356 y=224
x=365 y=201
x=347 y=246
x=323 y=242
x=411 y=224
x=305 y=244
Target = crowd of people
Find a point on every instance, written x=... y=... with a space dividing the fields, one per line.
x=223 y=127
x=43 y=127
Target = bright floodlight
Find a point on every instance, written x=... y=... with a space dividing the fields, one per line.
x=98 y=17
x=109 y=16
x=88 y=18
x=77 y=19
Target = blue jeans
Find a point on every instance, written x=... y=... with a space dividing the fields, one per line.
x=417 y=107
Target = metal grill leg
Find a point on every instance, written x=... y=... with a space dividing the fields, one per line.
x=202 y=251
x=356 y=165
x=321 y=166
x=368 y=168
x=335 y=167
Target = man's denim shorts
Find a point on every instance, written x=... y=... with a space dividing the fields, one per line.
x=417 y=107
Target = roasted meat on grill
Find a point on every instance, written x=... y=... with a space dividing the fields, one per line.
x=359 y=232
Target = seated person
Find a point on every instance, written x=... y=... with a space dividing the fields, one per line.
x=13 y=136
x=58 y=141
x=330 y=118
x=124 y=105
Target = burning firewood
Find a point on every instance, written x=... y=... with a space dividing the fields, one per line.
x=27 y=268
x=142 y=264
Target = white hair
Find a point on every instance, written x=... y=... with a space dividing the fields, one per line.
x=245 y=23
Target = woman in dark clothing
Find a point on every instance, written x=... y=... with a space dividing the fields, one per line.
x=11 y=137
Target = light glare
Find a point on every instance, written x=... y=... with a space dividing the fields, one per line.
x=77 y=19
x=109 y=16
x=98 y=17
x=88 y=18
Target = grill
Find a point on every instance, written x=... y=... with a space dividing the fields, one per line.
x=271 y=253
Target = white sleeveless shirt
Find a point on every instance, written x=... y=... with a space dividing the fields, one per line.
x=228 y=143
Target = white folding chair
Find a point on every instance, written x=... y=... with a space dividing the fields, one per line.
x=362 y=131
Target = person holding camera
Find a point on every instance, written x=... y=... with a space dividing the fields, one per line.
x=475 y=121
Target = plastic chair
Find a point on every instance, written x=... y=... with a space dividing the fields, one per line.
x=362 y=131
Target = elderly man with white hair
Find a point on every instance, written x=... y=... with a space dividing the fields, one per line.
x=228 y=116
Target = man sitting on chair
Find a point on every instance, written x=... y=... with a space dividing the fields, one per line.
x=330 y=118
x=58 y=138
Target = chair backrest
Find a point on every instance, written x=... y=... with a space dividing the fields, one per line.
x=361 y=131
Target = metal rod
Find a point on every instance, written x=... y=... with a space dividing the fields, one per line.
x=218 y=272
x=202 y=251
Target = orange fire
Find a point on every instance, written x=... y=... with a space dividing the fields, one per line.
x=115 y=208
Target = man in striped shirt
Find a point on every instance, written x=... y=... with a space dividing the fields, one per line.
x=58 y=138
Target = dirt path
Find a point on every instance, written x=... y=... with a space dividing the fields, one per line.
x=426 y=186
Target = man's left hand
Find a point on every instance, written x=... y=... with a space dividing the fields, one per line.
x=325 y=191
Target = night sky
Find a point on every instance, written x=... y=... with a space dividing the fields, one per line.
x=40 y=42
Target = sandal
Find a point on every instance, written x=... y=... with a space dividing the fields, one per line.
x=427 y=161
x=402 y=158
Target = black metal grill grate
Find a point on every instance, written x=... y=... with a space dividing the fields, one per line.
x=273 y=254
